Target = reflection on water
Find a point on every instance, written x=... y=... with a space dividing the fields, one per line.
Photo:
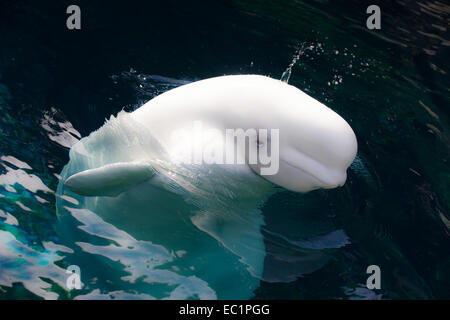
x=391 y=86
x=140 y=259
x=32 y=268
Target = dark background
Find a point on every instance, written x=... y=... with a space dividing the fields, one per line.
x=394 y=93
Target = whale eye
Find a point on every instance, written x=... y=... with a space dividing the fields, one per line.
x=259 y=143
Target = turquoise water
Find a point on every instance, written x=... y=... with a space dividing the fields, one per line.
x=391 y=85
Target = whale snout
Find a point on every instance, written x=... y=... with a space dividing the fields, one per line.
x=308 y=174
x=317 y=152
x=331 y=184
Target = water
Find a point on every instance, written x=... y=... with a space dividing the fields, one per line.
x=391 y=85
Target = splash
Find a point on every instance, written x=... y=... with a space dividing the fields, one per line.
x=298 y=53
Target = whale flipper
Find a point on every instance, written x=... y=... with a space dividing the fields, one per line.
x=110 y=179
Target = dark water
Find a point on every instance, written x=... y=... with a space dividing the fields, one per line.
x=391 y=85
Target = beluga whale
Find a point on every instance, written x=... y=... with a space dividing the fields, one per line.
x=190 y=170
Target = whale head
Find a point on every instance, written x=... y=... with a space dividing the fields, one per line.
x=315 y=145
x=307 y=145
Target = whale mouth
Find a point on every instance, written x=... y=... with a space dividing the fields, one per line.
x=328 y=178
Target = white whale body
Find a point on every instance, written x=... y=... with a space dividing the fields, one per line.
x=124 y=172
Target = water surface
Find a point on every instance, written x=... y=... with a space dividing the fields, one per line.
x=391 y=85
